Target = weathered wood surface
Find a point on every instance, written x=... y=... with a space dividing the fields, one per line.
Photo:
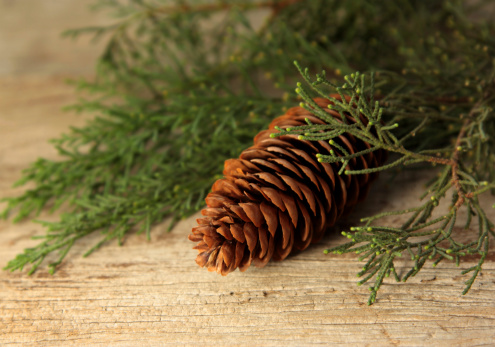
x=153 y=293
x=31 y=40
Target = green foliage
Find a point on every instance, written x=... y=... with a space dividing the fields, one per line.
x=184 y=85
x=423 y=236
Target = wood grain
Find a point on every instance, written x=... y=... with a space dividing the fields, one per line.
x=31 y=40
x=153 y=293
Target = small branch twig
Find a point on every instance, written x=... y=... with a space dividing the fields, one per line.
x=455 y=158
x=276 y=6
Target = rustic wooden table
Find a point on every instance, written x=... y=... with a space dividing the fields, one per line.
x=153 y=293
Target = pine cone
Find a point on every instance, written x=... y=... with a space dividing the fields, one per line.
x=277 y=198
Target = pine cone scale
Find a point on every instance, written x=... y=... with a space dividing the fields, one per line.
x=237 y=233
x=251 y=234
x=253 y=212
x=270 y=213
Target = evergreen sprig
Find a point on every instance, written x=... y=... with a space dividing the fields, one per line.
x=183 y=85
x=423 y=236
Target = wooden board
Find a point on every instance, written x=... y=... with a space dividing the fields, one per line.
x=153 y=293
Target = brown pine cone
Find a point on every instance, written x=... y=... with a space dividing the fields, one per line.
x=277 y=198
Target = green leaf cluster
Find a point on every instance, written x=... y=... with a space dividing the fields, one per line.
x=183 y=85
x=464 y=177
